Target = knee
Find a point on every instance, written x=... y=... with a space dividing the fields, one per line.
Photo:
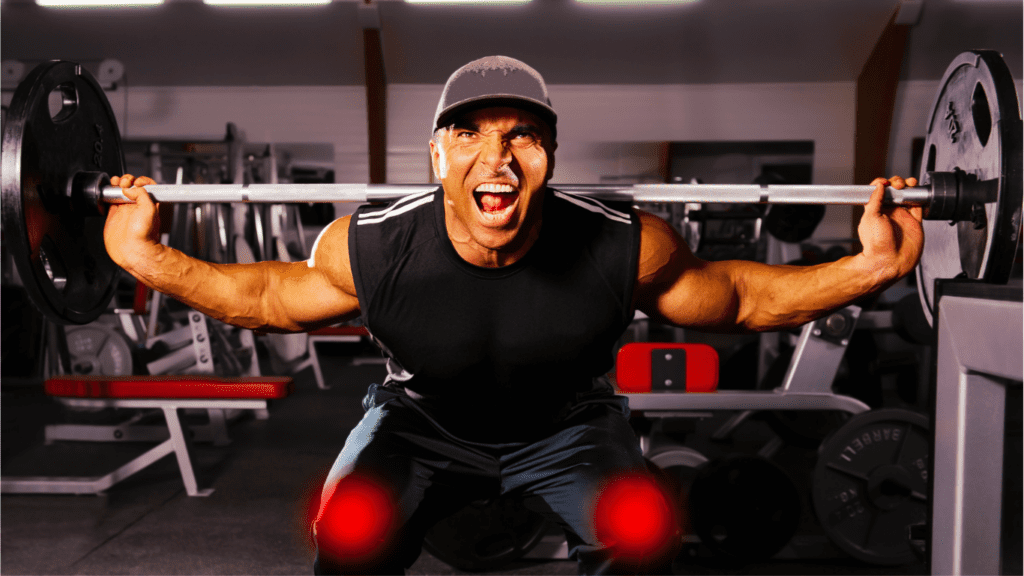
x=356 y=527
x=637 y=522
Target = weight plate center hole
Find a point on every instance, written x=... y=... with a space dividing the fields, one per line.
x=62 y=102
x=54 y=269
x=889 y=486
x=930 y=163
x=981 y=113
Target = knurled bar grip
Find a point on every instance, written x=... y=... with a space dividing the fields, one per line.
x=654 y=193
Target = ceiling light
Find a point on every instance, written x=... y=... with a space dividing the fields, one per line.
x=96 y=3
x=262 y=3
x=478 y=2
x=637 y=3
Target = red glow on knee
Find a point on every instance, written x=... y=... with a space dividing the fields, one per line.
x=635 y=518
x=357 y=520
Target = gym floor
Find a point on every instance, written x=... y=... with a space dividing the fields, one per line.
x=254 y=522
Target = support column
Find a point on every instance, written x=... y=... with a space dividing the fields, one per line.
x=376 y=91
x=876 y=98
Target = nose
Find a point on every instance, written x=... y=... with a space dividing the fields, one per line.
x=495 y=152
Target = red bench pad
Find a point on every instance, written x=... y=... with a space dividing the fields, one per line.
x=178 y=386
x=633 y=366
x=340 y=331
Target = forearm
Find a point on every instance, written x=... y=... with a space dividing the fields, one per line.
x=236 y=294
x=782 y=297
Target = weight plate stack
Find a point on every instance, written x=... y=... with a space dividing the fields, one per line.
x=871 y=485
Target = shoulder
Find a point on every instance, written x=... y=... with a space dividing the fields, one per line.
x=662 y=249
x=330 y=255
x=654 y=229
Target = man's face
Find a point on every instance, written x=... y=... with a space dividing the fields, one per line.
x=494 y=164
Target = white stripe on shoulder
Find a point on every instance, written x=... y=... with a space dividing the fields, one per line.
x=312 y=253
x=401 y=207
x=400 y=203
x=596 y=206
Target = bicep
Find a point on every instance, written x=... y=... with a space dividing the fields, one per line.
x=676 y=287
x=320 y=291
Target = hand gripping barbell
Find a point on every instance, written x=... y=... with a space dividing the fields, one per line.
x=61 y=143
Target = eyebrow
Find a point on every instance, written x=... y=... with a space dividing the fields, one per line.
x=521 y=128
x=525 y=128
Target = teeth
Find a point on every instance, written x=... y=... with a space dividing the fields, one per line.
x=495 y=188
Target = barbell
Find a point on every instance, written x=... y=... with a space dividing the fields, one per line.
x=61 y=143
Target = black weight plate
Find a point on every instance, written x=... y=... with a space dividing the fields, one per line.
x=871 y=485
x=59 y=123
x=676 y=467
x=486 y=535
x=793 y=222
x=975 y=127
x=744 y=507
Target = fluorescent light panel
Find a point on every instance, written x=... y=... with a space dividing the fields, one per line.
x=267 y=2
x=638 y=3
x=96 y=3
x=478 y=2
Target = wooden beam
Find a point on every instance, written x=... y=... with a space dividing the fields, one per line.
x=376 y=105
x=876 y=99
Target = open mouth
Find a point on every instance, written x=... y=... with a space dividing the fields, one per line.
x=496 y=201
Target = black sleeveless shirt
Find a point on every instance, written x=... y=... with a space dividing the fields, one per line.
x=497 y=354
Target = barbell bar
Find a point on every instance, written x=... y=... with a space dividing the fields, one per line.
x=638 y=193
x=57 y=160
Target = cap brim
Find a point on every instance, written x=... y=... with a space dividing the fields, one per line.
x=543 y=111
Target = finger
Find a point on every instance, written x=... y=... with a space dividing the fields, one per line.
x=906 y=216
x=126 y=181
x=897 y=182
x=131 y=193
x=115 y=180
x=911 y=181
x=138 y=196
x=917 y=212
x=144 y=181
x=874 y=205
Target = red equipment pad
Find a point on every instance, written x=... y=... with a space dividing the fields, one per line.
x=633 y=366
x=141 y=298
x=340 y=331
x=171 y=387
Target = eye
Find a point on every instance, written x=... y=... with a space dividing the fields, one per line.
x=524 y=138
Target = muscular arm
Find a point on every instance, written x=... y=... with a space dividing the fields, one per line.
x=676 y=287
x=265 y=296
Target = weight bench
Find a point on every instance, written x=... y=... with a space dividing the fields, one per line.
x=171 y=394
x=666 y=380
x=344 y=333
x=652 y=374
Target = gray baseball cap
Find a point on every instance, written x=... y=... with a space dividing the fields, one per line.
x=494 y=81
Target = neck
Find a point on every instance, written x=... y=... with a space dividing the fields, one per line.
x=477 y=254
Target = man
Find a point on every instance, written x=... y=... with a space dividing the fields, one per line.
x=497 y=302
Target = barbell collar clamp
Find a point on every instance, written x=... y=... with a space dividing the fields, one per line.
x=85 y=191
x=957 y=194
